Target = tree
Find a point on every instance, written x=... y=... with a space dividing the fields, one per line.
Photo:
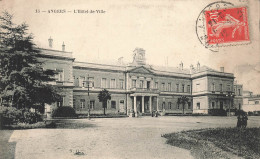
x=183 y=100
x=103 y=97
x=23 y=82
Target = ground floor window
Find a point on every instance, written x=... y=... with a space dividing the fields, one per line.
x=170 y=105
x=82 y=103
x=92 y=104
x=113 y=104
x=189 y=105
x=60 y=102
x=198 y=105
x=213 y=105
x=74 y=103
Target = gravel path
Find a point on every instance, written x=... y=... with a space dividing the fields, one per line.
x=125 y=138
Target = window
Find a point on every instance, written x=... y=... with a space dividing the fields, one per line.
x=239 y=92
x=256 y=102
x=141 y=84
x=221 y=87
x=213 y=87
x=133 y=83
x=169 y=87
x=156 y=85
x=104 y=83
x=228 y=88
x=188 y=88
x=183 y=88
x=169 y=105
x=74 y=103
x=113 y=83
x=92 y=104
x=163 y=105
x=60 y=75
x=82 y=81
x=198 y=105
x=197 y=87
x=163 y=86
x=113 y=104
x=178 y=106
x=82 y=103
x=177 y=88
x=189 y=105
x=60 y=102
x=91 y=82
x=121 y=84
x=213 y=105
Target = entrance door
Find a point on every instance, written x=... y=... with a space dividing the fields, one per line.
x=221 y=105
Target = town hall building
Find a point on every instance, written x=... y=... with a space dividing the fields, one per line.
x=138 y=87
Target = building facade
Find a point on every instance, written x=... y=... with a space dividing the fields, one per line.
x=138 y=87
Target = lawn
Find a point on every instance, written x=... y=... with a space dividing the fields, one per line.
x=218 y=142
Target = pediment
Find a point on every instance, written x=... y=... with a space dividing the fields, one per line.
x=141 y=70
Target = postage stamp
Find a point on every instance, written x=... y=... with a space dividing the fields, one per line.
x=222 y=24
x=227 y=25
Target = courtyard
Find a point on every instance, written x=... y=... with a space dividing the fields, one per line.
x=108 y=137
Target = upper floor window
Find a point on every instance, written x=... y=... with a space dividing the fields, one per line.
x=221 y=87
x=104 y=83
x=188 y=88
x=228 y=87
x=121 y=84
x=213 y=87
x=74 y=103
x=91 y=82
x=156 y=85
x=82 y=103
x=113 y=83
x=141 y=84
x=197 y=87
x=133 y=83
x=239 y=92
x=60 y=75
x=82 y=81
x=163 y=86
x=182 y=88
x=177 y=87
x=169 y=88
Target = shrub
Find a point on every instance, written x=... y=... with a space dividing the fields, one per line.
x=10 y=115
x=30 y=117
x=64 y=111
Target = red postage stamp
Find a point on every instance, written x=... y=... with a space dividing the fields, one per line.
x=227 y=26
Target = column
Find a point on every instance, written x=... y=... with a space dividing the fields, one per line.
x=150 y=103
x=135 y=109
x=157 y=103
x=142 y=104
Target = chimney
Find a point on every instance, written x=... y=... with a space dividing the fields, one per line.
x=221 y=69
x=63 y=47
x=181 y=66
x=50 y=42
x=191 y=69
x=198 y=66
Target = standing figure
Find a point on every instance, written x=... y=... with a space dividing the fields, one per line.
x=239 y=121
x=244 y=121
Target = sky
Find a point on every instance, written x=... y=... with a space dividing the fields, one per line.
x=164 y=28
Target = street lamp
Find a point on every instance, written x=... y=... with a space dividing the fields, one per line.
x=88 y=82
x=231 y=95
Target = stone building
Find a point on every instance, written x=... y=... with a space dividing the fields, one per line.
x=137 y=86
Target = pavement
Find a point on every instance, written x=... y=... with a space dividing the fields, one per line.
x=114 y=138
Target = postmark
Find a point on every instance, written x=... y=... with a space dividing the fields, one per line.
x=222 y=24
